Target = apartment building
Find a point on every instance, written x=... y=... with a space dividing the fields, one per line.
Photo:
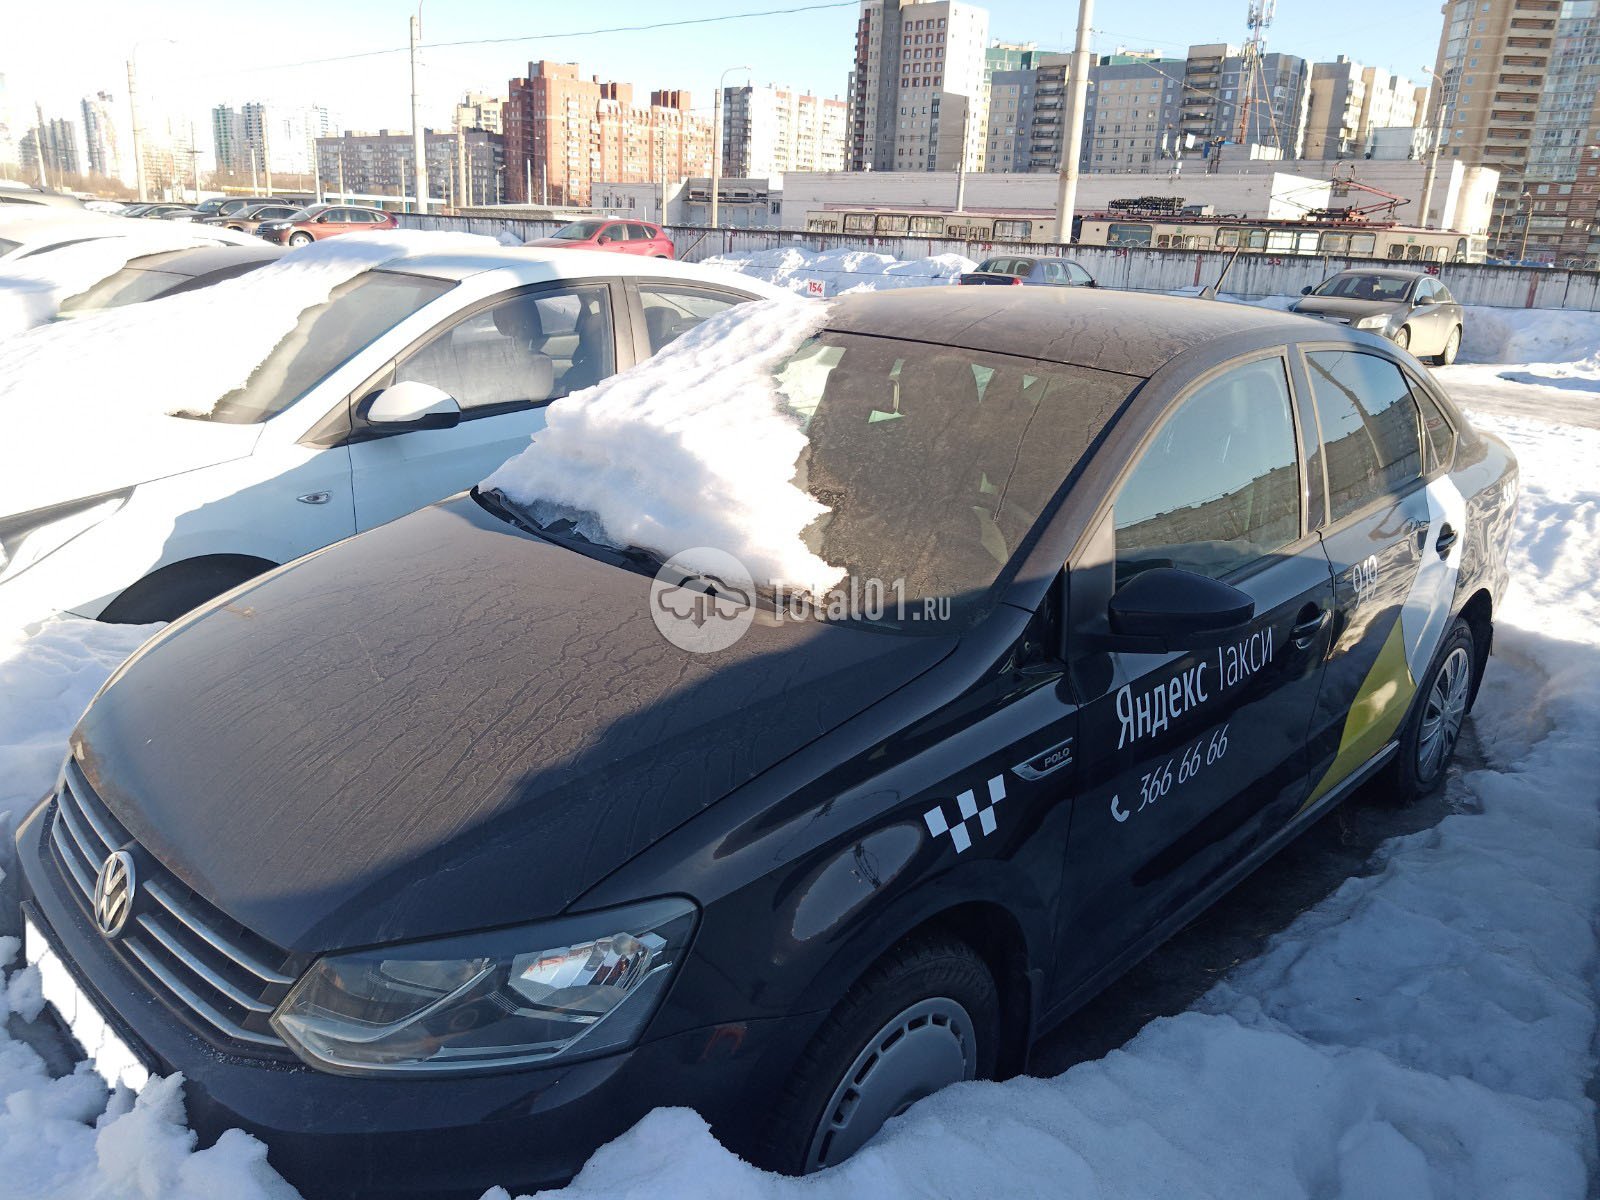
x=1348 y=102
x=564 y=132
x=1224 y=101
x=1133 y=112
x=769 y=130
x=917 y=99
x=464 y=166
x=480 y=110
x=55 y=141
x=261 y=138
x=100 y=140
x=1511 y=96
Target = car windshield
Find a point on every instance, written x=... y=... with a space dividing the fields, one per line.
x=936 y=463
x=324 y=338
x=210 y=207
x=1386 y=289
x=579 y=231
x=141 y=279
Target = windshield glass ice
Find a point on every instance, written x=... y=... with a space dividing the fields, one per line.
x=579 y=231
x=1385 y=289
x=323 y=339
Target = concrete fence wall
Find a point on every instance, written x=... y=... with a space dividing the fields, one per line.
x=1253 y=276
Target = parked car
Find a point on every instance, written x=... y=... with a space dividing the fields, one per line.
x=38 y=233
x=619 y=237
x=428 y=860
x=413 y=381
x=156 y=211
x=1021 y=268
x=170 y=273
x=182 y=214
x=1411 y=308
x=26 y=195
x=235 y=206
x=322 y=221
x=249 y=218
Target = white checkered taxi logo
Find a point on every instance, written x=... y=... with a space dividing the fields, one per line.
x=970 y=816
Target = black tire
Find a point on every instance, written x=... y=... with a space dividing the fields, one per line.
x=1443 y=700
x=933 y=970
x=1452 y=347
x=1402 y=337
x=166 y=594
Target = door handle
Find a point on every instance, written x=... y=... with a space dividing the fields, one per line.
x=1306 y=630
x=1447 y=539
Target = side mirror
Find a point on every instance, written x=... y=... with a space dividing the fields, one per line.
x=413 y=405
x=1178 y=609
x=1424 y=300
x=1307 y=290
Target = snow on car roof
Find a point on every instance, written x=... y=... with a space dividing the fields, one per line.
x=535 y=264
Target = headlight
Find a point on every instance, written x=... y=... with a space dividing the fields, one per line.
x=576 y=986
x=27 y=537
x=1376 y=321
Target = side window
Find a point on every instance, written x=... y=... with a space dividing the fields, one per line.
x=1441 y=438
x=612 y=233
x=640 y=233
x=1053 y=273
x=1443 y=293
x=1078 y=275
x=524 y=350
x=1369 y=427
x=670 y=312
x=1219 y=487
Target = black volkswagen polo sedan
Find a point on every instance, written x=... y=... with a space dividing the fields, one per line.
x=430 y=861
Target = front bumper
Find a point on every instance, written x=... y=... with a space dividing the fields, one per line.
x=349 y=1137
x=276 y=236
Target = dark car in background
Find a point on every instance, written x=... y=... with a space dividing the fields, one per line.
x=324 y=221
x=151 y=276
x=430 y=861
x=618 y=237
x=1413 y=309
x=1012 y=269
x=249 y=218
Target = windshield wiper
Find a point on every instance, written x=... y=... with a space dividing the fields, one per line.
x=563 y=532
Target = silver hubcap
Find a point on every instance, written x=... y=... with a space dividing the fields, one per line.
x=1452 y=345
x=1441 y=718
x=928 y=1046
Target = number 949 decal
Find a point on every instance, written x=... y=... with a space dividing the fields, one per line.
x=1158 y=783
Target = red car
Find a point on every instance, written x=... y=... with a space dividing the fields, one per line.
x=318 y=221
x=620 y=237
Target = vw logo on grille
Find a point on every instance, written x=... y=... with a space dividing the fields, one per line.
x=113 y=893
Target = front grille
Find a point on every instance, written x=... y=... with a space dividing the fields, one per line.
x=207 y=967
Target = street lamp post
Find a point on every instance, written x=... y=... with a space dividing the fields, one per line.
x=1435 y=135
x=1527 y=224
x=716 y=140
x=419 y=148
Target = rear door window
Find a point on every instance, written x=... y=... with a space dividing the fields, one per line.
x=1369 y=421
x=670 y=312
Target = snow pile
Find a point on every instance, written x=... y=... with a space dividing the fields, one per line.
x=33 y=288
x=1426 y=1031
x=185 y=352
x=841 y=271
x=691 y=449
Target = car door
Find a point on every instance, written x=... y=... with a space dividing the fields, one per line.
x=503 y=361
x=1387 y=524
x=1429 y=320
x=1188 y=757
x=613 y=237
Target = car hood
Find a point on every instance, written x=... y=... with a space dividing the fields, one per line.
x=561 y=243
x=1339 y=306
x=57 y=459
x=446 y=724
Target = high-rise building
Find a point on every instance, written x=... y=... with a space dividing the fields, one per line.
x=1516 y=91
x=55 y=140
x=10 y=152
x=480 y=110
x=1227 y=99
x=464 y=166
x=564 y=132
x=227 y=139
x=769 y=130
x=100 y=136
x=917 y=99
x=261 y=139
x=1348 y=102
x=1133 y=112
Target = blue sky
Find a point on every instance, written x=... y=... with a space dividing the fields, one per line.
x=236 y=52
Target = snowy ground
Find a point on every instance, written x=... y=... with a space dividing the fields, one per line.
x=1426 y=1031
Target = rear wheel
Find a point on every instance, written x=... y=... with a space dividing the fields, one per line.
x=1402 y=337
x=924 y=1017
x=300 y=239
x=1452 y=346
x=1428 y=740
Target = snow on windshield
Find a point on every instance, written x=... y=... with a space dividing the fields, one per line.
x=184 y=352
x=33 y=287
x=690 y=449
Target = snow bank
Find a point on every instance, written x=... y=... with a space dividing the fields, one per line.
x=32 y=288
x=841 y=271
x=691 y=449
x=185 y=352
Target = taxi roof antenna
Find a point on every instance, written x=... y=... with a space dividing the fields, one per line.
x=1209 y=292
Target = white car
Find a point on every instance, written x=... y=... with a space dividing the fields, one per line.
x=412 y=382
x=25 y=234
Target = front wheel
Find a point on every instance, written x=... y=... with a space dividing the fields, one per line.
x=1428 y=739
x=300 y=239
x=1402 y=337
x=926 y=1016
x=1452 y=346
